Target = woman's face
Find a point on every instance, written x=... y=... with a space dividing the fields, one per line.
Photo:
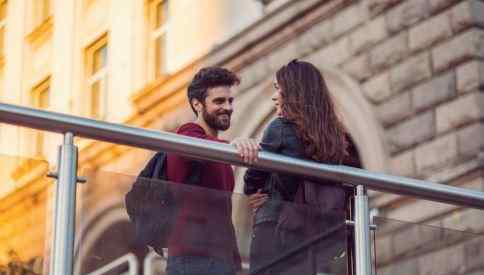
x=277 y=98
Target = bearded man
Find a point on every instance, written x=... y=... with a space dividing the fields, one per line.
x=203 y=240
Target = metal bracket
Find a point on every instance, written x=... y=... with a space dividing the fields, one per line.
x=352 y=223
x=55 y=175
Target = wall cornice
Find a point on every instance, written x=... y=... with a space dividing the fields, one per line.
x=41 y=32
x=31 y=176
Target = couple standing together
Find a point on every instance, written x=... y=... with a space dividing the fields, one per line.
x=306 y=127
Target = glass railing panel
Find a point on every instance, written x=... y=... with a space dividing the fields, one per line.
x=410 y=248
x=156 y=221
x=25 y=215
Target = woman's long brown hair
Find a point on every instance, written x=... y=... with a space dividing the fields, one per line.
x=306 y=102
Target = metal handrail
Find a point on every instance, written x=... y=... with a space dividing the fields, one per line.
x=203 y=149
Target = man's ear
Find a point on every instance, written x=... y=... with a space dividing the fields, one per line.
x=197 y=105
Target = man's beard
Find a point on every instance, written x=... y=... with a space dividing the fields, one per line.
x=214 y=120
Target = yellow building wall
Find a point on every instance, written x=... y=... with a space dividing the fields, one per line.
x=55 y=49
x=24 y=214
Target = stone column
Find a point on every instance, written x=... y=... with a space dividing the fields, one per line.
x=121 y=58
x=13 y=71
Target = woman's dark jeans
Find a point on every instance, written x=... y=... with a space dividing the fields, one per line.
x=266 y=246
x=263 y=247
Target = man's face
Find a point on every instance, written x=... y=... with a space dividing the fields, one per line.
x=217 y=109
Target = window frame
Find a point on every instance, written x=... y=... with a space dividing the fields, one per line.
x=157 y=32
x=3 y=25
x=36 y=102
x=91 y=77
x=41 y=11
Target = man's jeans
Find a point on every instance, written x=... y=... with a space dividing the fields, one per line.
x=197 y=265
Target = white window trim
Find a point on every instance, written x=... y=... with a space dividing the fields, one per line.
x=37 y=13
x=156 y=33
x=102 y=76
x=39 y=137
x=99 y=75
x=3 y=24
x=162 y=30
x=4 y=21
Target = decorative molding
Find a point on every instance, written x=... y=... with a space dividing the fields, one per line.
x=25 y=168
x=40 y=33
x=31 y=177
x=273 y=31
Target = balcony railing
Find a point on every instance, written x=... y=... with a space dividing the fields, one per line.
x=71 y=126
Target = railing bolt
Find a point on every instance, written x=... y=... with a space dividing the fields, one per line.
x=352 y=223
x=55 y=175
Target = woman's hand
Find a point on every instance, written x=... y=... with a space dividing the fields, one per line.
x=248 y=149
x=257 y=200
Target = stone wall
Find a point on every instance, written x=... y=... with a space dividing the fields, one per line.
x=419 y=64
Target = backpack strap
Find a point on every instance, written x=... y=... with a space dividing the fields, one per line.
x=196 y=171
x=160 y=172
x=150 y=167
x=159 y=169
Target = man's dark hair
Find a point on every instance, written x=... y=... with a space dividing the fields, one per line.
x=207 y=78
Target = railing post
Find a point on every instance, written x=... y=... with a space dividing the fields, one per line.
x=62 y=253
x=362 y=232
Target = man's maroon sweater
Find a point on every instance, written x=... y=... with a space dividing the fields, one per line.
x=204 y=219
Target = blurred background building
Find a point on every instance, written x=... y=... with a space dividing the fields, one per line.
x=407 y=77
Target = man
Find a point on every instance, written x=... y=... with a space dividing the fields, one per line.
x=203 y=240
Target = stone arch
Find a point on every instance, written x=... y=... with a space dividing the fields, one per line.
x=89 y=218
x=108 y=218
x=359 y=118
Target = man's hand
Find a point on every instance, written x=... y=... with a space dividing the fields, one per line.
x=257 y=200
x=248 y=149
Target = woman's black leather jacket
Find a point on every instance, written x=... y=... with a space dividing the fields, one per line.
x=279 y=137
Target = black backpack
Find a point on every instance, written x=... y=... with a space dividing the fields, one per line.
x=152 y=205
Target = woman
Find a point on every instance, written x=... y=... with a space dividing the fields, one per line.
x=306 y=127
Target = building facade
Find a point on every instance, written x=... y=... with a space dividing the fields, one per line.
x=407 y=77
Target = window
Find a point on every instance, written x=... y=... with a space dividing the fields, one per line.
x=41 y=11
x=40 y=100
x=3 y=21
x=97 y=80
x=159 y=21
